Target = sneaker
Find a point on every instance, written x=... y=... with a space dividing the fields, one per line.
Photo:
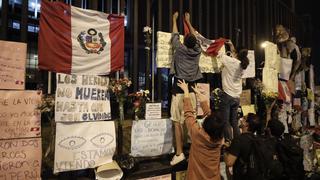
x=177 y=159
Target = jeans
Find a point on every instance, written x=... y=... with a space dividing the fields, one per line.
x=229 y=111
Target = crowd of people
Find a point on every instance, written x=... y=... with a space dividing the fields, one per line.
x=252 y=148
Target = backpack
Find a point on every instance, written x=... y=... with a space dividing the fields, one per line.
x=291 y=156
x=263 y=163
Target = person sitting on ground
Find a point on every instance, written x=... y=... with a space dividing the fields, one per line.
x=204 y=156
x=290 y=154
x=185 y=66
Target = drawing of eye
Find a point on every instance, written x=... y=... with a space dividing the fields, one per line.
x=72 y=142
x=102 y=140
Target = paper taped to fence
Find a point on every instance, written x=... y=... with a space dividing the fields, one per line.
x=82 y=98
x=20 y=159
x=12 y=65
x=84 y=145
x=151 y=137
x=19 y=117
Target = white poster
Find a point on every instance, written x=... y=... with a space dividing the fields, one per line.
x=164 y=49
x=151 y=137
x=250 y=72
x=153 y=110
x=272 y=57
x=82 y=98
x=83 y=145
x=270 y=79
x=208 y=64
x=285 y=68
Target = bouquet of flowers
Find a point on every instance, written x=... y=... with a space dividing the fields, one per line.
x=139 y=100
x=118 y=87
x=269 y=97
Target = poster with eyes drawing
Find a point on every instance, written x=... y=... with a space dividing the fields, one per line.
x=83 y=145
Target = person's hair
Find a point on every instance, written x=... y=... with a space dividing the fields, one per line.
x=190 y=40
x=276 y=128
x=254 y=123
x=214 y=126
x=242 y=56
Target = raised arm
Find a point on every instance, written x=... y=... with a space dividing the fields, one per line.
x=174 y=22
x=203 y=101
x=187 y=18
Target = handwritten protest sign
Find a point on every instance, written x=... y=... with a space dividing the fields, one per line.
x=12 y=65
x=151 y=137
x=83 y=145
x=208 y=64
x=246 y=109
x=18 y=114
x=250 y=71
x=20 y=159
x=82 y=98
x=245 y=97
x=153 y=110
x=205 y=90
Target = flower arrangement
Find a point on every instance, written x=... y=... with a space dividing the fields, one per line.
x=269 y=97
x=147 y=29
x=139 y=100
x=118 y=87
x=215 y=94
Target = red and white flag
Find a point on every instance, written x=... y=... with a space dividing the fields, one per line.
x=80 y=41
x=210 y=47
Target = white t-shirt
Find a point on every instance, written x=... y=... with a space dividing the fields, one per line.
x=231 y=76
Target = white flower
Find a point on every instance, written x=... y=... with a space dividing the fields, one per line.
x=147 y=29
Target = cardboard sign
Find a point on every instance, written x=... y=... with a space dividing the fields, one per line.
x=18 y=114
x=84 y=145
x=248 y=109
x=20 y=159
x=245 y=97
x=250 y=71
x=153 y=110
x=151 y=137
x=12 y=65
x=82 y=98
x=162 y=177
x=205 y=90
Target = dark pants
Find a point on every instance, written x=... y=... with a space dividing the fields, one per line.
x=229 y=111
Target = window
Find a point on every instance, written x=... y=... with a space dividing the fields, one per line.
x=34 y=8
x=15 y=24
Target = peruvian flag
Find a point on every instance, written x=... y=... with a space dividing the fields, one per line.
x=210 y=47
x=79 y=41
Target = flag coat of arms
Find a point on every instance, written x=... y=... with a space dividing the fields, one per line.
x=79 y=41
